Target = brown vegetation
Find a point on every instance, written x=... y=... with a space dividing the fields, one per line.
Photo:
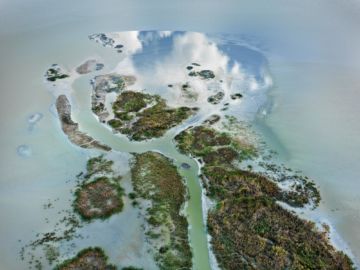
x=87 y=259
x=249 y=229
x=155 y=178
x=142 y=116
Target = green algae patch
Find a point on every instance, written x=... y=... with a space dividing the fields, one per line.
x=93 y=258
x=157 y=180
x=142 y=116
x=248 y=227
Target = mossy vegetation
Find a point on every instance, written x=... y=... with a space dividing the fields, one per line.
x=98 y=164
x=92 y=258
x=204 y=74
x=188 y=92
x=55 y=73
x=101 y=196
x=48 y=243
x=142 y=116
x=102 y=86
x=212 y=119
x=51 y=253
x=130 y=101
x=236 y=96
x=156 y=179
x=216 y=99
x=199 y=140
x=109 y=83
x=249 y=229
x=98 y=195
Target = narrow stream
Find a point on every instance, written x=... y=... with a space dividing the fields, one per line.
x=89 y=124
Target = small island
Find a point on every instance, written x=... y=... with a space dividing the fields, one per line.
x=203 y=74
x=71 y=129
x=100 y=195
x=56 y=72
x=143 y=116
x=89 y=66
x=92 y=258
x=99 y=199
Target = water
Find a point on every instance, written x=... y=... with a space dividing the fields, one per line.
x=89 y=124
x=161 y=59
x=314 y=124
x=313 y=59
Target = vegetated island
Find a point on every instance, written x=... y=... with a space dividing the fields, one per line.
x=157 y=181
x=71 y=129
x=107 y=41
x=103 y=85
x=248 y=227
x=100 y=195
x=55 y=72
x=143 y=116
x=99 y=199
x=92 y=258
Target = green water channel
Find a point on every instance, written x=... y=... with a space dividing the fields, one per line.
x=89 y=124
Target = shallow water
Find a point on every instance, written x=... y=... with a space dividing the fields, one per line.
x=314 y=125
x=311 y=69
x=90 y=124
x=162 y=61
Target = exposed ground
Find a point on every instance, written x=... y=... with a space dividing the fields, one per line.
x=71 y=129
x=89 y=66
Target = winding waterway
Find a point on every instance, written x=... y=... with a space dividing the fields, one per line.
x=88 y=123
x=158 y=58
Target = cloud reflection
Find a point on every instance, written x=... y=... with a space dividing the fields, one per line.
x=162 y=58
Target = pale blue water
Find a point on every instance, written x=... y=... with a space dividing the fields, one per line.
x=314 y=123
x=312 y=49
